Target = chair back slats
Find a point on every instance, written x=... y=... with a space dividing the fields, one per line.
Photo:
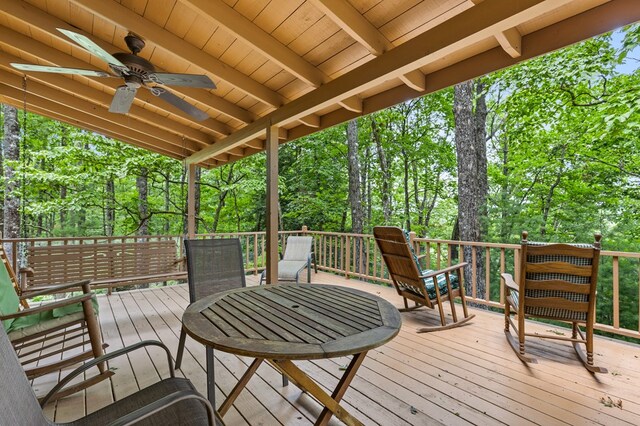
x=556 y=303
x=561 y=268
x=557 y=285
x=559 y=279
x=401 y=265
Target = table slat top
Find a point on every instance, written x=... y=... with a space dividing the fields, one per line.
x=292 y=321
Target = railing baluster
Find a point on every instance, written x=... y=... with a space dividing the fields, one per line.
x=487 y=274
x=616 y=293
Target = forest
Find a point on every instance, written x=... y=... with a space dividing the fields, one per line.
x=559 y=136
x=551 y=146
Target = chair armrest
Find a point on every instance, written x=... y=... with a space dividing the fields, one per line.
x=509 y=282
x=48 y=306
x=445 y=270
x=66 y=379
x=26 y=271
x=57 y=289
x=160 y=404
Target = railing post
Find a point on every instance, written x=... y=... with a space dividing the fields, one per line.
x=347 y=256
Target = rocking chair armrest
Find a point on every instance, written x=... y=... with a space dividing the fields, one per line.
x=57 y=289
x=445 y=270
x=509 y=282
x=162 y=403
x=48 y=306
x=122 y=351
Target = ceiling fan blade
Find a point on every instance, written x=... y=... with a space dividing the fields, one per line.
x=122 y=99
x=60 y=70
x=185 y=106
x=190 y=80
x=93 y=48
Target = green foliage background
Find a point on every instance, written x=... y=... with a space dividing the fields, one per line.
x=563 y=148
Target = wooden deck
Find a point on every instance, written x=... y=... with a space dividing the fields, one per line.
x=467 y=375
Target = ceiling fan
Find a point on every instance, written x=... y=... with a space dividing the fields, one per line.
x=136 y=71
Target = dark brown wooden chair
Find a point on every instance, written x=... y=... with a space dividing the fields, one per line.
x=424 y=287
x=172 y=401
x=555 y=282
x=39 y=334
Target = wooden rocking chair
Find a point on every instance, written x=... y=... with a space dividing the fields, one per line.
x=556 y=282
x=424 y=287
x=41 y=334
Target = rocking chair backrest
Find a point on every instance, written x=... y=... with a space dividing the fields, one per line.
x=18 y=403
x=399 y=258
x=559 y=279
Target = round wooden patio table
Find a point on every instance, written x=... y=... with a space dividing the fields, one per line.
x=282 y=323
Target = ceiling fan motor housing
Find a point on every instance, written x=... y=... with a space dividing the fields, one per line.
x=139 y=69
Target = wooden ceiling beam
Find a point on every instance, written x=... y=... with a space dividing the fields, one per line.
x=416 y=80
x=219 y=13
x=119 y=15
x=354 y=24
x=511 y=42
x=55 y=57
x=354 y=103
x=311 y=120
x=85 y=121
x=591 y=23
x=255 y=144
x=45 y=92
x=361 y=30
x=31 y=15
x=475 y=24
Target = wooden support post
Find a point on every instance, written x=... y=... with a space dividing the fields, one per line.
x=191 y=202
x=272 y=204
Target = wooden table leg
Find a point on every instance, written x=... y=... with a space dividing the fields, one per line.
x=343 y=385
x=331 y=403
x=239 y=386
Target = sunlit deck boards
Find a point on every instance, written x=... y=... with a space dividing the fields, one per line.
x=467 y=375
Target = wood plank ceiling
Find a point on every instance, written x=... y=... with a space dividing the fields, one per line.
x=302 y=65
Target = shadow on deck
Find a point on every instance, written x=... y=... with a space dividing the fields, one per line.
x=467 y=375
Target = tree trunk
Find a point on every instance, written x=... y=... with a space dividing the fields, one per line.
x=197 y=197
x=143 y=204
x=167 y=203
x=470 y=138
x=384 y=169
x=11 y=228
x=355 y=194
x=110 y=207
x=405 y=177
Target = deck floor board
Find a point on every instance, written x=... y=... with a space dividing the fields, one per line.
x=462 y=376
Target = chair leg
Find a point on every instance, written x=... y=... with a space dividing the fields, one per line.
x=516 y=345
x=587 y=360
x=183 y=337
x=262 y=276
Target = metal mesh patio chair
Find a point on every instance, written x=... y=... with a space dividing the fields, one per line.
x=213 y=265
x=555 y=282
x=172 y=401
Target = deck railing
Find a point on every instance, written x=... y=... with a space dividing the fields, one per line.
x=357 y=256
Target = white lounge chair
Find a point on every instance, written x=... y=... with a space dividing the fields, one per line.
x=297 y=257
